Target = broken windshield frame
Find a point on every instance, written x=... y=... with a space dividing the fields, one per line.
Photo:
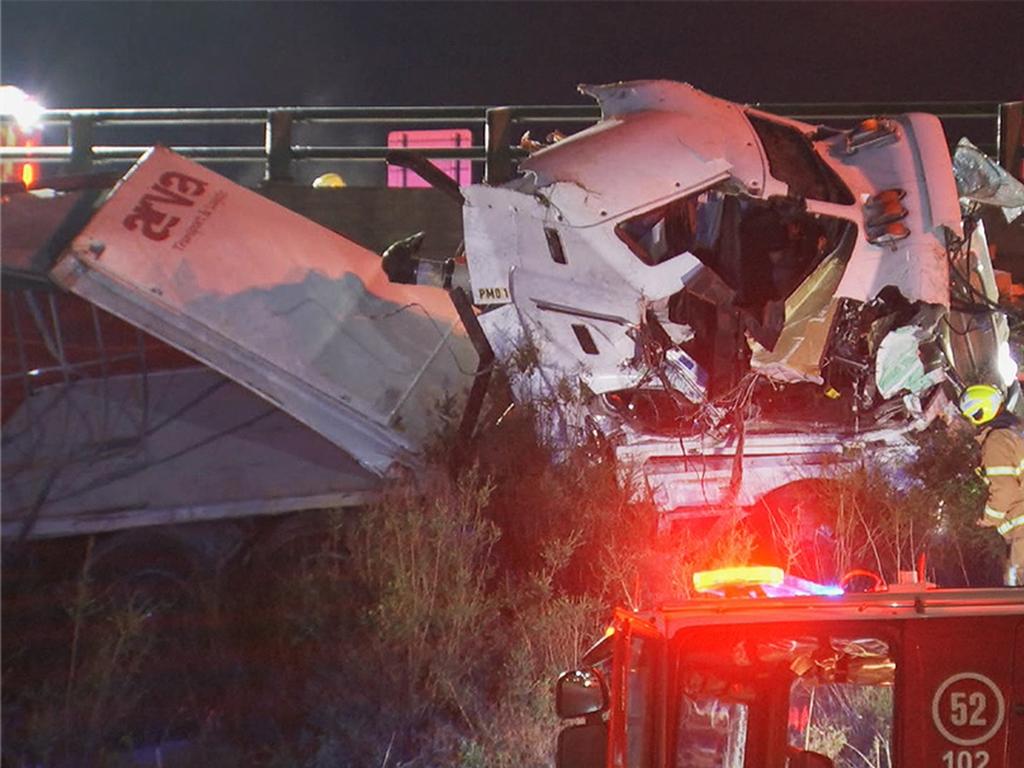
x=793 y=161
x=761 y=249
x=684 y=225
x=756 y=253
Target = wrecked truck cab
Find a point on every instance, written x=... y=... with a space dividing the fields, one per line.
x=704 y=269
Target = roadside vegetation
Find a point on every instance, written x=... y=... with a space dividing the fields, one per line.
x=429 y=628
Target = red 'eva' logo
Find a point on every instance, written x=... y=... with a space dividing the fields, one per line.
x=173 y=188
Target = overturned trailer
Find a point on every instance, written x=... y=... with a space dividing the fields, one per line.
x=349 y=367
x=728 y=300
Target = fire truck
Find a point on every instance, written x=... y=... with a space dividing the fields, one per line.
x=771 y=671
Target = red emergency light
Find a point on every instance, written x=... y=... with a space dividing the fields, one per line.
x=758 y=581
x=20 y=129
x=29 y=171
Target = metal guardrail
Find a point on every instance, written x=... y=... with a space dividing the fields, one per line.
x=496 y=127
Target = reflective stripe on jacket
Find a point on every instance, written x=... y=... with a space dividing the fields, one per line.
x=1011 y=524
x=1002 y=460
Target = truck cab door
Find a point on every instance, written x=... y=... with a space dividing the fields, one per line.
x=1015 y=741
x=958 y=687
x=636 y=689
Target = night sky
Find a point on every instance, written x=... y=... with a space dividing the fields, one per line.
x=104 y=54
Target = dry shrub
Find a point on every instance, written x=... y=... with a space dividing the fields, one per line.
x=80 y=710
x=883 y=518
x=394 y=622
x=467 y=595
x=426 y=557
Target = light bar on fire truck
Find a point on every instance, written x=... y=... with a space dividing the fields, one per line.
x=758 y=581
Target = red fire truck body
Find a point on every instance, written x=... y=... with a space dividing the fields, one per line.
x=905 y=678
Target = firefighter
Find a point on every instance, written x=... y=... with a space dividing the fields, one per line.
x=1001 y=436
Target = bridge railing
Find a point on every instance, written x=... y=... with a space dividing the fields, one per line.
x=279 y=139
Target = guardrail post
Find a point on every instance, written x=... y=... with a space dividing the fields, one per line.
x=1011 y=137
x=279 y=146
x=80 y=133
x=498 y=138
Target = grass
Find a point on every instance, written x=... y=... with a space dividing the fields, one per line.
x=429 y=628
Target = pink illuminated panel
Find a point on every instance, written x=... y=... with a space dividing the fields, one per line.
x=460 y=170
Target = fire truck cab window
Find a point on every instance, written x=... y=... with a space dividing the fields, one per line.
x=849 y=723
x=744 y=696
x=842 y=706
x=712 y=732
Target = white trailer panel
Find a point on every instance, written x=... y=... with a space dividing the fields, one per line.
x=289 y=309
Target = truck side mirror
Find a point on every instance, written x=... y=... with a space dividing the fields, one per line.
x=582 y=746
x=580 y=692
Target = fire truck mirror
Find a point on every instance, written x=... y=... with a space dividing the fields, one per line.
x=582 y=746
x=580 y=692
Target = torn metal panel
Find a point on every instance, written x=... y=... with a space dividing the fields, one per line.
x=300 y=315
x=898 y=364
x=589 y=338
x=560 y=418
x=916 y=163
x=981 y=179
x=656 y=140
x=809 y=313
x=972 y=334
